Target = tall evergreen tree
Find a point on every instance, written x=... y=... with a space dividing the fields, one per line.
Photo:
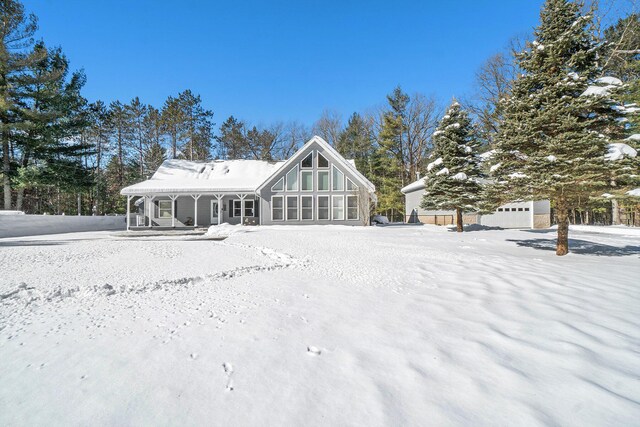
x=57 y=115
x=387 y=159
x=196 y=127
x=232 y=140
x=120 y=120
x=137 y=113
x=622 y=60
x=553 y=139
x=155 y=153
x=357 y=142
x=173 y=123
x=99 y=134
x=154 y=156
x=17 y=58
x=452 y=178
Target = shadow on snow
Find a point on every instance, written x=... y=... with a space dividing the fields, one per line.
x=581 y=247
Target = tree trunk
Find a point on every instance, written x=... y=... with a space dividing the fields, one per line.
x=6 y=169
x=20 y=196
x=459 y=228
x=562 y=243
x=615 y=212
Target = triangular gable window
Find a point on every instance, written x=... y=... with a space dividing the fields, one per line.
x=351 y=186
x=337 y=179
x=307 y=162
x=292 y=179
x=278 y=186
x=322 y=161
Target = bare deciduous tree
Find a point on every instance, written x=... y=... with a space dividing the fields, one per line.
x=328 y=126
x=420 y=122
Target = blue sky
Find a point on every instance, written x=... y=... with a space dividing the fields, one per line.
x=280 y=60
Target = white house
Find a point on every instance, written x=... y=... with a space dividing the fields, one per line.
x=315 y=186
x=530 y=214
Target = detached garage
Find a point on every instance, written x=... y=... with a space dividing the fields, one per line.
x=530 y=214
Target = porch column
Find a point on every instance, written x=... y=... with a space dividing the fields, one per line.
x=241 y=197
x=219 y=199
x=151 y=211
x=173 y=210
x=128 y=212
x=195 y=199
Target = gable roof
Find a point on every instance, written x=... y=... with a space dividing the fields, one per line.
x=183 y=176
x=347 y=164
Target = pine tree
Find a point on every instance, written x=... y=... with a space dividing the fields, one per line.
x=120 y=121
x=154 y=156
x=356 y=142
x=196 y=127
x=452 y=178
x=553 y=139
x=622 y=60
x=172 y=119
x=387 y=159
x=154 y=153
x=137 y=113
x=52 y=146
x=99 y=134
x=232 y=141
x=17 y=60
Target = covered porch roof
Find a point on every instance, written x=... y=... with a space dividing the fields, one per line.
x=220 y=176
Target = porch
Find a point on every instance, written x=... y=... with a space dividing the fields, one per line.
x=190 y=211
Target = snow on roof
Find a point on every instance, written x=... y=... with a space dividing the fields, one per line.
x=618 y=151
x=414 y=186
x=180 y=176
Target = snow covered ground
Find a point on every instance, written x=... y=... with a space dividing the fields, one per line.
x=321 y=325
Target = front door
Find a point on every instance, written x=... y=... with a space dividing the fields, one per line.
x=214 y=212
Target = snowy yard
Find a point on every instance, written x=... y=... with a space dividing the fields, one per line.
x=321 y=325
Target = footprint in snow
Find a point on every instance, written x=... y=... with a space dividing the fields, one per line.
x=313 y=351
x=228 y=369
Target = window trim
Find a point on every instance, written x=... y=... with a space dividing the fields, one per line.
x=328 y=197
x=346 y=206
x=353 y=184
x=328 y=179
x=297 y=208
x=234 y=208
x=318 y=155
x=278 y=181
x=297 y=174
x=161 y=209
x=283 y=207
x=308 y=172
x=334 y=197
x=302 y=207
x=333 y=167
x=253 y=208
x=305 y=158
